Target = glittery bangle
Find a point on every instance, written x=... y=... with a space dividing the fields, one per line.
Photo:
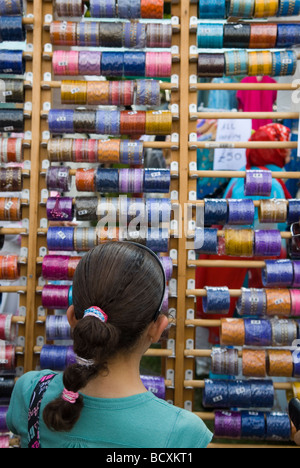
x=69 y=8
x=278 y=302
x=279 y=363
x=85 y=180
x=284 y=332
x=209 y=10
x=103 y=8
x=254 y=362
x=293 y=211
x=278 y=426
x=58 y=178
x=241 y=8
x=278 y=273
x=267 y=243
x=232 y=332
x=266 y=8
x=74 y=92
x=158 y=64
x=131 y=152
x=215 y=212
x=153 y=9
x=210 y=36
x=252 y=302
x=147 y=93
x=55 y=296
x=108 y=151
x=217 y=300
x=158 y=122
x=241 y=212
x=295 y=302
x=107 y=180
x=60 y=209
x=263 y=36
x=225 y=361
x=260 y=63
x=159 y=35
x=60 y=238
x=157 y=180
x=63 y=33
x=273 y=211
x=258 y=183
x=89 y=63
x=258 y=332
x=239 y=242
x=65 y=62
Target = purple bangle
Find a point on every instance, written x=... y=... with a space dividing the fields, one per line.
x=228 y=424
x=296 y=266
x=60 y=209
x=241 y=212
x=89 y=63
x=3 y=413
x=267 y=243
x=258 y=183
x=58 y=178
x=278 y=273
x=155 y=385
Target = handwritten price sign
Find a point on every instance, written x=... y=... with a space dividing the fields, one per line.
x=227 y=158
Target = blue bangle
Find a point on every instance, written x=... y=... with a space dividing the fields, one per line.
x=215 y=394
x=159 y=210
x=241 y=8
x=108 y=122
x=239 y=393
x=293 y=211
x=107 y=180
x=236 y=62
x=206 y=241
x=134 y=63
x=60 y=238
x=288 y=35
x=258 y=332
x=215 y=212
x=131 y=152
x=61 y=121
x=241 y=212
x=70 y=296
x=278 y=273
x=278 y=426
x=267 y=243
x=296 y=363
x=253 y=424
x=53 y=357
x=11 y=29
x=12 y=62
x=210 y=36
x=212 y=10
x=158 y=240
x=289 y=8
x=157 y=180
x=103 y=8
x=112 y=63
x=284 y=63
x=262 y=393
x=11 y=7
x=128 y=9
x=217 y=300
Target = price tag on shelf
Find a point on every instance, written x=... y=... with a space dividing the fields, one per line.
x=231 y=130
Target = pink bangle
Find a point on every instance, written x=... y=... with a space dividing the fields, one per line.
x=65 y=62
x=158 y=64
x=295 y=297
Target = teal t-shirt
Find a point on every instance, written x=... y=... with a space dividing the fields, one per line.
x=138 y=421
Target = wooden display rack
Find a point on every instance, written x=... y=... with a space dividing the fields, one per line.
x=178 y=354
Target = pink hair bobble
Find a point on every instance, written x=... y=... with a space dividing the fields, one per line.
x=70 y=397
x=95 y=312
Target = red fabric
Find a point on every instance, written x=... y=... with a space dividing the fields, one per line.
x=262 y=157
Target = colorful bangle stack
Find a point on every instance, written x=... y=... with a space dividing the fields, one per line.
x=252 y=302
x=252 y=425
x=95 y=34
x=267 y=243
x=11 y=150
x=7 y=328
x=225 y=361
x=57 y=357
x=10 y=209
x=252 y=393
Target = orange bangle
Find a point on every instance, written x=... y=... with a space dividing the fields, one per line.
x=105 y=234
x=72 y=265
x=73 y=92
x=279 y=302
x=98 y=93
x=109 y=151
x=63 y=33
x=280 y=363
x=9 y=267
x=152 y=9
x=263 y=36
x=85 y=180
x=232 y=332
x=254 y=363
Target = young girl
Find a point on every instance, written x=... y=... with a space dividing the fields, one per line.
x=100 y=401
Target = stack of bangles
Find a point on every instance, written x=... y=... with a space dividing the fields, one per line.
x=11 y=150
x=7 y=356
x=242 y=62
x=110 y=180
x=152 y=9
x=10 y=209
x=269 y=302
x=115 y=93
x=7 y=328
x=12 y=62
x=111 y=64
x=281 y=273
x=9 y=267
x=60 y=297
x=256 y=362
x=242 y=212
x=238 y=242
x=84 y=239
x=62 y=267
x=150 y=211
x=111 y=34
x=12 y=120
x=251 y=393
x=247 y=9
x=111 y=122
x=255 y=425
x=12 y=29
x=11 y=7
x=258 y=332
x=247 y=36
x=129 y=152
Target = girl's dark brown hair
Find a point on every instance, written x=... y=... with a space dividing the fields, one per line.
x=127 y=283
